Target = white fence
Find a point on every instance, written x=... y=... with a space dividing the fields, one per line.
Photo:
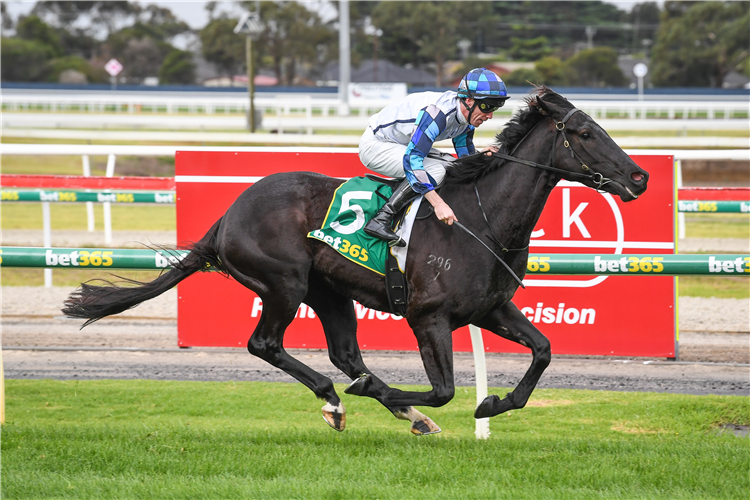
x=309 y=105
x=105 y=150
x=280 y=124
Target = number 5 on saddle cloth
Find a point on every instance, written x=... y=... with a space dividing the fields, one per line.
x=354 y=203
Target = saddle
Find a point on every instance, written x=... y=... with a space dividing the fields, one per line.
x=395 y=280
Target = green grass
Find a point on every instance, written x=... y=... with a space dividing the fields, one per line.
x=717 y=226
x=153 y=439
x=18 y=276
x=723 y=287
x=147 y=217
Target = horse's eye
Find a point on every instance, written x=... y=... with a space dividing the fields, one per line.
x=585 y=136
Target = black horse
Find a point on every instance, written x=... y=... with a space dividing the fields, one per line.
x=549 y=140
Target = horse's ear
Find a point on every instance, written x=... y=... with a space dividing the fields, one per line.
x=548 y=106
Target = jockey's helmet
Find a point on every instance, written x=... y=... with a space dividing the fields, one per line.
x=485 y=87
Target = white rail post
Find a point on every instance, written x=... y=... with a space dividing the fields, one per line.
x=480 y=368
x=308 y=114
x=89 y=204
x=47 y=240
x=106 y=205
x=680 y=215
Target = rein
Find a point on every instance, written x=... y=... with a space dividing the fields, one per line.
x=594 y=177
x=461 y=226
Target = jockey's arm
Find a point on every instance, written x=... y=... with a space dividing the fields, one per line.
x=464 y=143
x=429 y=124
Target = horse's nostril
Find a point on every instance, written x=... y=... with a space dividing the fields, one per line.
x=636 y=176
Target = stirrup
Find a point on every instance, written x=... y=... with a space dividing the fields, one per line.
x=397 y=243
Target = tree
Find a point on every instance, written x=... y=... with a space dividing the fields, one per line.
x=163 y=21
x=7 y=21
x=56 y=67
x=562 y=23
x=222 y=47
x=553 y=71
x=596 y=68
x=522 y=77
x=427 y=32
x=292 y=36
x=139 y=49
x=531 y=49
x=24 y=60
x=177 y=68
x=645 y=19
x=33 y=28
x=698 y=44
x=103 y=15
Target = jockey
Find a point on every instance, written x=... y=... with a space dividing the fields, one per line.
x=399 y=143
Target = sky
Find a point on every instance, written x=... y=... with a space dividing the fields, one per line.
x=193 y=12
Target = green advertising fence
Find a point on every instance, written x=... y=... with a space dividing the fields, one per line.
x=81 y=196
x=539 y=264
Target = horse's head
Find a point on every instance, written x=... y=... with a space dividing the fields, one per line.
x=581 y=146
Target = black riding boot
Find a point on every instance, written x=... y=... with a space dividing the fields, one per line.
x=380 y=225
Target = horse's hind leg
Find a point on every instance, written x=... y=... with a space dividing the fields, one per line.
x=267 y=343
x=510 y=323
x=339 y=320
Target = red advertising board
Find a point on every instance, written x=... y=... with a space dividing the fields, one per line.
x=603 y=315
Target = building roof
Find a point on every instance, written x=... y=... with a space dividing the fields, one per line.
x=386 y=72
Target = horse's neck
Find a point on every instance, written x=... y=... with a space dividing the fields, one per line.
x=514 y=195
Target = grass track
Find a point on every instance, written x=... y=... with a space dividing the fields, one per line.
x=149 y=439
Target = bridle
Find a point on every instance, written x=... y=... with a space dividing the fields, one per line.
x=595 y=177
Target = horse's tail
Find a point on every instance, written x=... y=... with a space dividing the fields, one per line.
x=92 y=302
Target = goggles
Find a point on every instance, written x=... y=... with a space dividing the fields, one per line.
x=489 y=106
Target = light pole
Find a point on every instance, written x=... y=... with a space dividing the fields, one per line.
x=590 y=32
x=252 y=27
x=375 y=36
x=344 y=58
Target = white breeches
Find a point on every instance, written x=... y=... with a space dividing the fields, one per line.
x=387 y=158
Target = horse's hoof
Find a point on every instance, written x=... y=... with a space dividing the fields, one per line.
x=359 y=386
x=492 y=405
x=424 y=427
x=335 y=416
x=421 y=424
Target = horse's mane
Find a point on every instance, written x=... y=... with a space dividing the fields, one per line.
x=474 y=166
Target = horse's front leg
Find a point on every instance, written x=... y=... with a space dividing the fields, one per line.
x=436 y=348
x=510 y=323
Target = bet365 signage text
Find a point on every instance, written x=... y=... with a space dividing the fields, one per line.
x=598 y=315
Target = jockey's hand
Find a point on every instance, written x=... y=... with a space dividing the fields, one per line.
x=490 y=150
x=442 y=210
x=445 y=214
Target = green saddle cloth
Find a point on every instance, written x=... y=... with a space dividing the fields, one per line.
x=354 y=203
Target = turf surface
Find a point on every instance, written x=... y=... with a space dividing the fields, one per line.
x=153 y=439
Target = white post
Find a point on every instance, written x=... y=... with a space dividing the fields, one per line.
x=308 y=115
x=344 y=58
x=47 y=240
x=106 y=205
x=680 y=215
x=89 y=204
x=480 y=367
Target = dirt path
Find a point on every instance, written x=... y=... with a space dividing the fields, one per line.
x=141 y=343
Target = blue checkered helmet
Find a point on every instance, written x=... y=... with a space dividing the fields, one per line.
x=481 y=83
